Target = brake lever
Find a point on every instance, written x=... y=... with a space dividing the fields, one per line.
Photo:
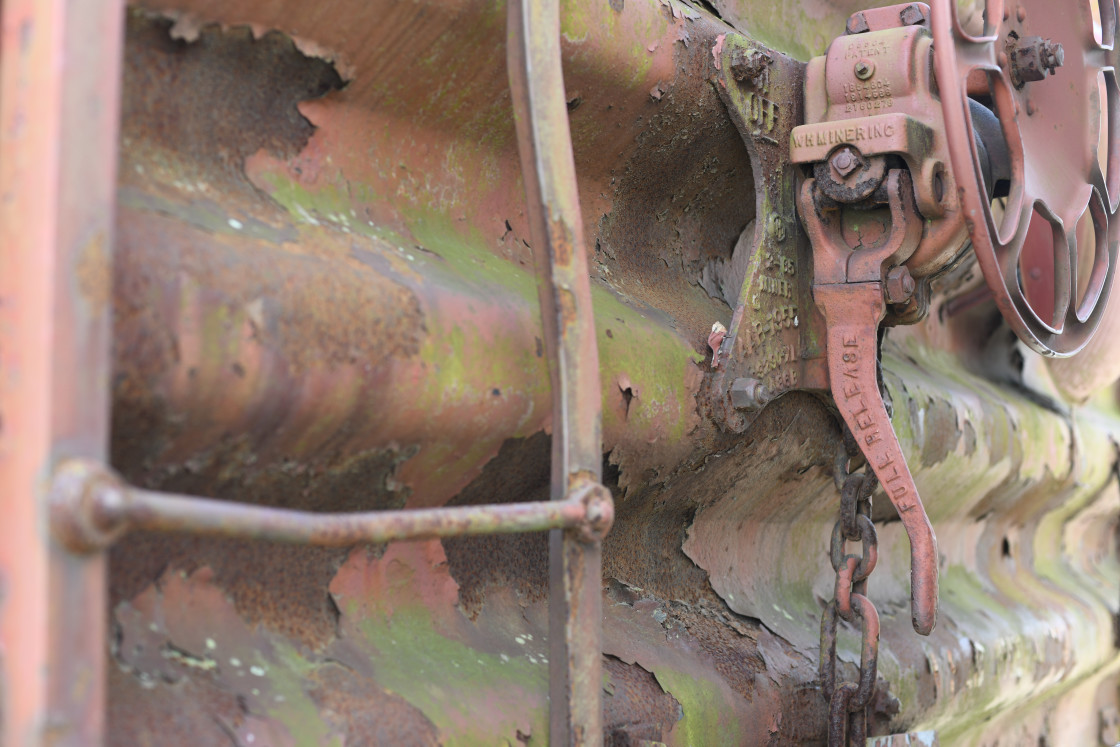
x=850 y=289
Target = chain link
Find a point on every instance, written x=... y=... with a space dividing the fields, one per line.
x=849 y=701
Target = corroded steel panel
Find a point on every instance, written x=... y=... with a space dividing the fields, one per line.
x=325 y=300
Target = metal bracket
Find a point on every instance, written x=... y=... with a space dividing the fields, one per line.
x=776 y=338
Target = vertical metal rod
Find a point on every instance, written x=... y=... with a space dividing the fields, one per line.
x=60 y=77
x=556 y=226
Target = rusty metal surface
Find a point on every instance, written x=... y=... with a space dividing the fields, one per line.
x=59 y=92
x=91 y=509
x=556 y=230
x=776 y=333
x=248 y=367
x=850 y=702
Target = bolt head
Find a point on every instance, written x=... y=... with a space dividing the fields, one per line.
x=748 y=65
x=900 y=285
x=864 y=69
x=857 y=24
x=911 y=15
x=844 y=161
x=749 y=394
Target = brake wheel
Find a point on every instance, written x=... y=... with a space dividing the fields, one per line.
x=1048 y=72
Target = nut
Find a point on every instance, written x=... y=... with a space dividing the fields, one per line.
x=844 y=161
x=1033 y=58
x=749 y=394
x=900 y=285
x=912 y=15
x=598 y=506
x=748 y=65
x=1052 y=56
x=864 y=69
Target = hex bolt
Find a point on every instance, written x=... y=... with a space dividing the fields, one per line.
x=900 y=285
x=844 y=161
x=857 y=24
x=749 y=394
x=911 y=15
x=864 y=69
x=1034 y=58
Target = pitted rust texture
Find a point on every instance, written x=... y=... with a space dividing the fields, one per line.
x=520 y=472
x=244 y=92
x=251 y=89
x=354 y=707
x=635 y=708
x=296 y=309
x=189 y=712
x=778 y=469
x=207 y=672
x=756 y=475
x=275 y=585
x=280 y=585
x=685 y=188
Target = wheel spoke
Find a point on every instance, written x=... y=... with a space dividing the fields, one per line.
x=992 y=9
x=1065 y=275
x=1109 y=17
x=1009 y=252
x=1093 y=295
x=1110 y=107
x=976 y=54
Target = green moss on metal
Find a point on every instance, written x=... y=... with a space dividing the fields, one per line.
x=470 y=695
x=290 y=704
x=468 y=258
x=462 y=358
x=651 y=357
x=786 y=27
x=333 y=203
x=1005 y=430
x=629 y=41
x=706 y=714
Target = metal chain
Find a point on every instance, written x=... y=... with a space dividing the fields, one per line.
x=849 y=701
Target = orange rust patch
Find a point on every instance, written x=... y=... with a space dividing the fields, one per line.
x=561 y=243
x=566 y=304
x=94 y=273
